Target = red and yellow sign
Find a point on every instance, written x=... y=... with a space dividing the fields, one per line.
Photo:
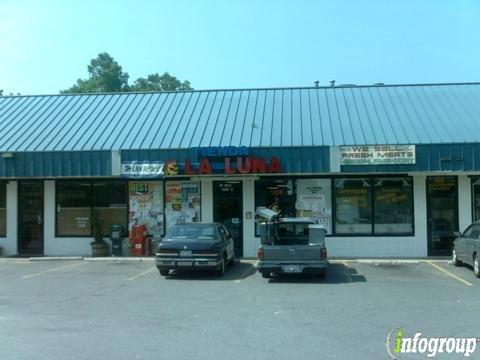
x=238 y=165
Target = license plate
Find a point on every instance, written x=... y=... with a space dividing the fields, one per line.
x=185 y=253
x=184 y=263
x=292 y=269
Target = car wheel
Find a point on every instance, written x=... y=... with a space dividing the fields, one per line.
x=476 y=266
x=221 y=267
x=164 y=272
x=266 y=275
x=232 y=260
x=455 y=260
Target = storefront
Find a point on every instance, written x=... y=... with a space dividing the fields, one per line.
x=74 y=165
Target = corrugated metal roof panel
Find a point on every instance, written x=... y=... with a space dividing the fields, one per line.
x=332 y=116
x=57 y=164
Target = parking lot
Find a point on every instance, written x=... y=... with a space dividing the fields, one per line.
x=125 y=310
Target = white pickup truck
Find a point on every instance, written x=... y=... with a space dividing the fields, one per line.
x=290 y=245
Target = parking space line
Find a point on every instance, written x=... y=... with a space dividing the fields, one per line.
x=49 y=271
x=465 y=282
x=141 y=274
x=243 y=276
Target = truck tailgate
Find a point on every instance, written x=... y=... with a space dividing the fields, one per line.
x=294 y=253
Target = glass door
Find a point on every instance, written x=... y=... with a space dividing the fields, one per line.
x=442 y=214
x=227 y=209
x=30 y=218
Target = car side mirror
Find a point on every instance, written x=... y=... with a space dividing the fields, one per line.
x=457 y=234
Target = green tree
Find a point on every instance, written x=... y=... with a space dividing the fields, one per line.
x=105 y=75
x=156 y=82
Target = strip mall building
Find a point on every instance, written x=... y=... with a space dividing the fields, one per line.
x=392 y=171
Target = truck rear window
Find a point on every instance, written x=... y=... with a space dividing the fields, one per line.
x=292 y=234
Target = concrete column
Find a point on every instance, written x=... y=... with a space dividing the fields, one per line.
x=9 y=244
x=464 y=202
x=207 y=200
x=420 y=210
x=49 y=217
x=250 y=242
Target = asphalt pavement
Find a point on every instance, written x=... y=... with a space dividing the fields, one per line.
x=125 y=310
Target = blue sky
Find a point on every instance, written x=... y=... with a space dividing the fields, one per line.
x=46 y=45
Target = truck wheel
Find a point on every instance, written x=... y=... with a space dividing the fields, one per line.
x=164 y=272
x=221 y=267
x=232 y=260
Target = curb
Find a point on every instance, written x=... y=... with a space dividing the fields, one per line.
x=118 y=259
x=245 y=260
x=388 y=262
x=398 y=261
x=55 y=258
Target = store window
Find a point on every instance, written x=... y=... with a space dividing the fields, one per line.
x=278 y=195
x=110 y=205
x=3 y=209
x=297 y=198
x=476 y=198
x=74 y=213
x=314 y=199
x=362 y=206
x=393 y=205
x=353 y=206
x=79 y=201
x=383 y=206
x=182 y=202
x=146 y=206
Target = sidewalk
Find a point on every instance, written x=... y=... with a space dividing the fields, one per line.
x=373 y=261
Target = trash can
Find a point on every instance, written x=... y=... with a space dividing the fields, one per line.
x=138 y=237
x=116 y=236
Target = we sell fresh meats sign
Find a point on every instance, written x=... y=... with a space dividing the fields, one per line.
x=377 y=155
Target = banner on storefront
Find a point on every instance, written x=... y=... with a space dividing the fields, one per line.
x=142 y=170
x=377 y=155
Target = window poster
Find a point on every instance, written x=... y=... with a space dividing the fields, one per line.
x=182 y=202
x=314 y=199
x=353 y=212
x=146 y=206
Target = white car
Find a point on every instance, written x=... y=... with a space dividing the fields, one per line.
x=466 y=248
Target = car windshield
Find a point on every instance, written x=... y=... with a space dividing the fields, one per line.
x=192 y=231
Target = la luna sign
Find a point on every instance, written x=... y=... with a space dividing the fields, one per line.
x=238 y=165
x=224 y=160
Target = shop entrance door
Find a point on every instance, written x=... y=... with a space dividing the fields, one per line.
x=227 y=209
x=30 y=218
x=442 y=214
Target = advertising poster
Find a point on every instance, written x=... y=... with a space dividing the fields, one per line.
x=182 y=203
x=146 y=206
x=314 y=199
x=377 y=155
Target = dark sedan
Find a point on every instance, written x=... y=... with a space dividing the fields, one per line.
x=195 y=246
x=466 y=248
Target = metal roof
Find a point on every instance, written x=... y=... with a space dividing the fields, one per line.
x=282 y=117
